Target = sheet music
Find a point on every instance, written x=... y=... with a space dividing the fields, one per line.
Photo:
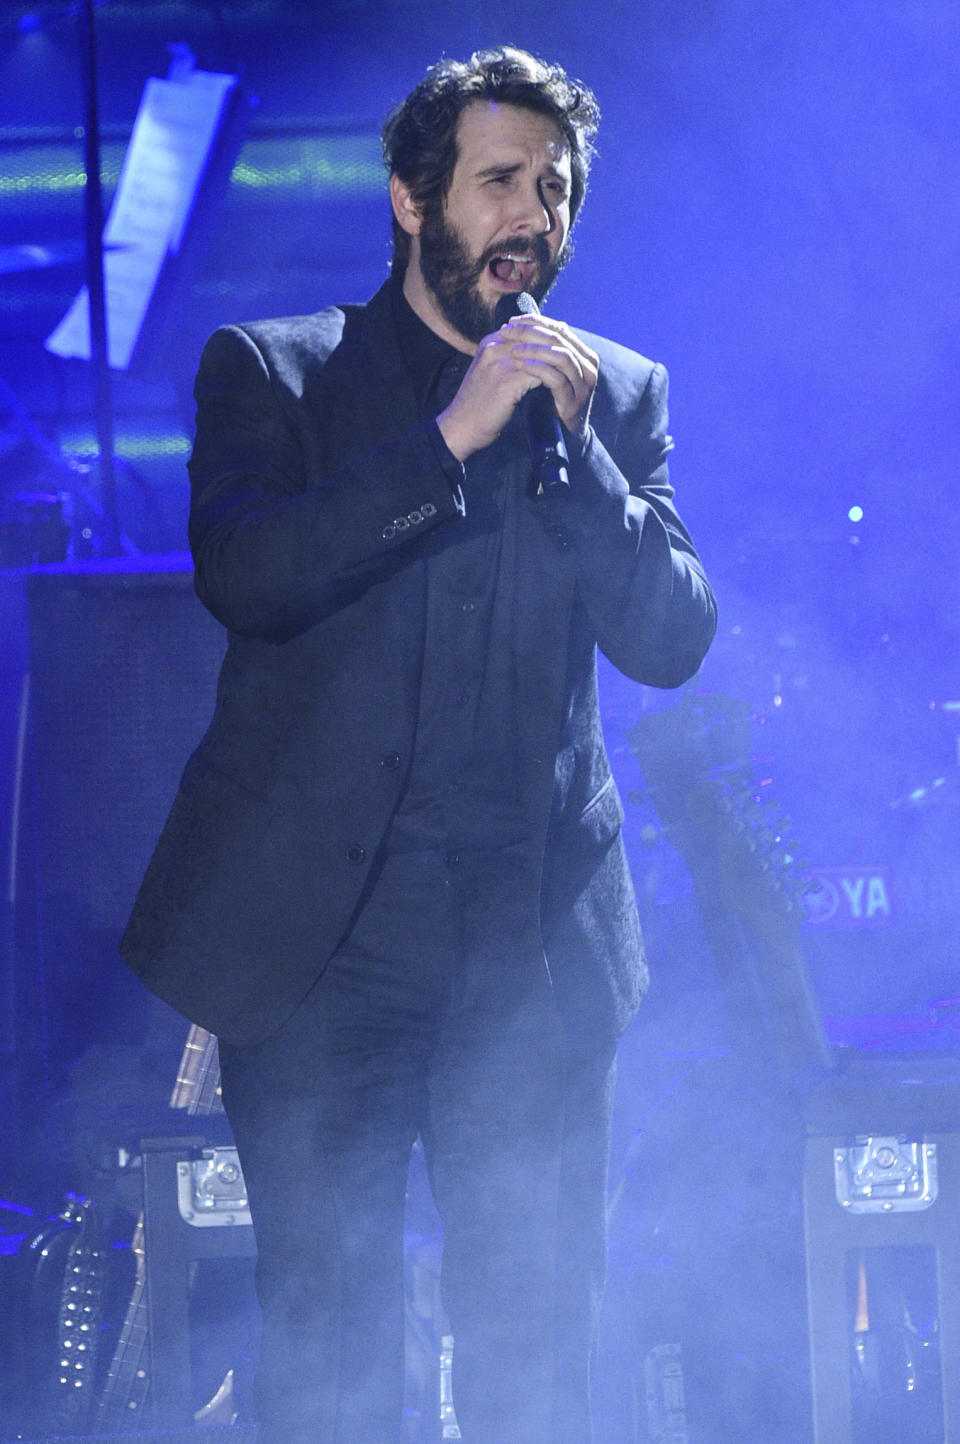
x=172 y=138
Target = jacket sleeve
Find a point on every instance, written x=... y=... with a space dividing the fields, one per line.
x=277 y=546
x=637 y=572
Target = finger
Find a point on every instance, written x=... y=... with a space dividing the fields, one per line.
x=557 y=365
x=529 y=327
x=555 y=341
x=565 y=342
x=567 y=398
x=550 y=326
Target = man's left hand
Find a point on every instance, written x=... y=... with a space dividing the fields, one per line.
x=563 y=363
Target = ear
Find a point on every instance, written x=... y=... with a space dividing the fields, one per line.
x=405 y=208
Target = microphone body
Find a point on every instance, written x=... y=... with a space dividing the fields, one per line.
x=548 y=447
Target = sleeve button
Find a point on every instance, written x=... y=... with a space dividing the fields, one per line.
x=356 y=853
x=390 y=760
x=388 y=532
x=428 y=509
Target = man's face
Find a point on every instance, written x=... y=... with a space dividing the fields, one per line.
x=505 y=222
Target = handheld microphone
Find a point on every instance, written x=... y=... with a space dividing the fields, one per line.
x=545 y=438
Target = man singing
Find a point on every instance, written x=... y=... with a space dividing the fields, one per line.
x=392 y=882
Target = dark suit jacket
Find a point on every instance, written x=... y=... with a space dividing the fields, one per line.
x=314 y=483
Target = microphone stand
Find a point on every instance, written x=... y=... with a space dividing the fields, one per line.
x=96 y=289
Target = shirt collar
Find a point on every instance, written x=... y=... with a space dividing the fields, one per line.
x=424 y=352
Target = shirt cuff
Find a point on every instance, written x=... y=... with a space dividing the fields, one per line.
x=578 y=445
x=452 y=469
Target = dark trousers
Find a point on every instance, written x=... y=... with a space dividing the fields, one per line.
x=436 y=1017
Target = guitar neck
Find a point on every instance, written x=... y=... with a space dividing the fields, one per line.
x=197 y=1088
x=127 y=1383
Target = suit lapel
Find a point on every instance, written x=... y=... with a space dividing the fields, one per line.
x=384 y=402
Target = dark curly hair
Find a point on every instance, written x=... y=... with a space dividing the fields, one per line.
x=420 y=134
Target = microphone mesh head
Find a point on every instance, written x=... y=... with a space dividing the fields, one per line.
x=517 y=303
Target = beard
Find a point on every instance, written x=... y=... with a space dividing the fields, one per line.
x=451 y=274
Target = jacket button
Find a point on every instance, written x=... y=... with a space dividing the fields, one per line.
x=356 y=853
x=388 y=532
x=390 y=760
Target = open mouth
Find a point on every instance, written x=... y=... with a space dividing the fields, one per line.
x=514 y=268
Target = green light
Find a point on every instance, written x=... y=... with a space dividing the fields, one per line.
x=51 y=182
x=57 y=170
x=332 y=166
x=131 y=445
x=329 y=166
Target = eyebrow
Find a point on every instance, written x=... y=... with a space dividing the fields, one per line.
x=492 y=170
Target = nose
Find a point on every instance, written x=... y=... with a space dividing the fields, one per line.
x=534 y=213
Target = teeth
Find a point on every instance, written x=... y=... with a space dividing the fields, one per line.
x=511 y=266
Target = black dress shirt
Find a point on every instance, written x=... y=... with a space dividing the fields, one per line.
x=463 y=789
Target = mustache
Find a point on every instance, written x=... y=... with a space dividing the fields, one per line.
x=535 y=247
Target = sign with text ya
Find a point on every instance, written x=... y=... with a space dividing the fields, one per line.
x=857 y=896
